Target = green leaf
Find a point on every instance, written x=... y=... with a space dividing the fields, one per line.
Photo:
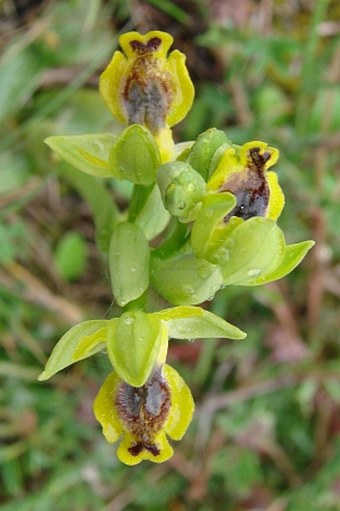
x=194 y=322
x=209 y=230
x=185 y=280
x=80 y=342
x=204 y=148
x=135 y=156
x=129 y=262
x=292 y=258
x=153 y=217
x=71 y=256
x=88 y=153
x=257 y=246
x=20 y=74
x=134 y=348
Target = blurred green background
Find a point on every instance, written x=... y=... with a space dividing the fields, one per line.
x=265 y=436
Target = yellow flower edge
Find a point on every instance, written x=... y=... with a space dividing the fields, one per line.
x=116 y=74
x=236 y=162
x=175 y=425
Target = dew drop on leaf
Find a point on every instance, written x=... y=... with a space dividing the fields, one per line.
x=254 y=272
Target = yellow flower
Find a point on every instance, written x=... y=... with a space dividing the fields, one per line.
x=243 y=171
x=145 y=86
x=145 y=415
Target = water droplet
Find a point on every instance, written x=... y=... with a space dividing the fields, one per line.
x=181 y=204
x=133 y=269
x=191 y=187
x=189 y=290
x=129 y=320
x=254 y=272
x=204 y=273
x=223 y=254
x=208 y=213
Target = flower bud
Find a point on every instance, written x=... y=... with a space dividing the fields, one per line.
x=182 y=188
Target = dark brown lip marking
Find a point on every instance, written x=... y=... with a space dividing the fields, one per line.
x=139 y=446
x=152 y=45
x=251 y=191
x=144 y=410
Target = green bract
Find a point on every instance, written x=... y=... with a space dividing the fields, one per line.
x=136 y=341
x=254 y=247
x=194 y=322
x=209 y=231
x=80 y=342
x=135 y=156
x=185 y=280
x=202 y=155
x=135 y=344
x=292 y=256
x=129 y=258
x=88 y=153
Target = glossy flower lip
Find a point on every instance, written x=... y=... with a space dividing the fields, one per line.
x=143 y=85
x=144 y=416
x=243 y=171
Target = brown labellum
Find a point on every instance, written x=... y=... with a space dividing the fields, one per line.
x=144 y=410
x=148 y=90
x=250 y=187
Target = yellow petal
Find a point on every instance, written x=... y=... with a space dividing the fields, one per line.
x=182 y=404
x=263 y=147
x=228 y=164
x=160 y=442
x=105 y=410
x=184 y=89
x=111 y=83
x=276 y=197
x=125 y=41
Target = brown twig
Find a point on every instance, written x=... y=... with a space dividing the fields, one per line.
x=21 y=282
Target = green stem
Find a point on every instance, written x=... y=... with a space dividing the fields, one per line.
x=138 y=304
x=176 y=238
x=140 y=194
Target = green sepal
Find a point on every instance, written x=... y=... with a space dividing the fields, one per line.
x=293 y=256
x=88 y=153
x=129 y=260
x=135 y=156
x=185 y=280
x=152 y=217
x=203 y=150
x=255 y=246
x=194 y=322
x=134 y=347
x=209 y=230
x=181 y=188
x=81 y=341
x=182 y=150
